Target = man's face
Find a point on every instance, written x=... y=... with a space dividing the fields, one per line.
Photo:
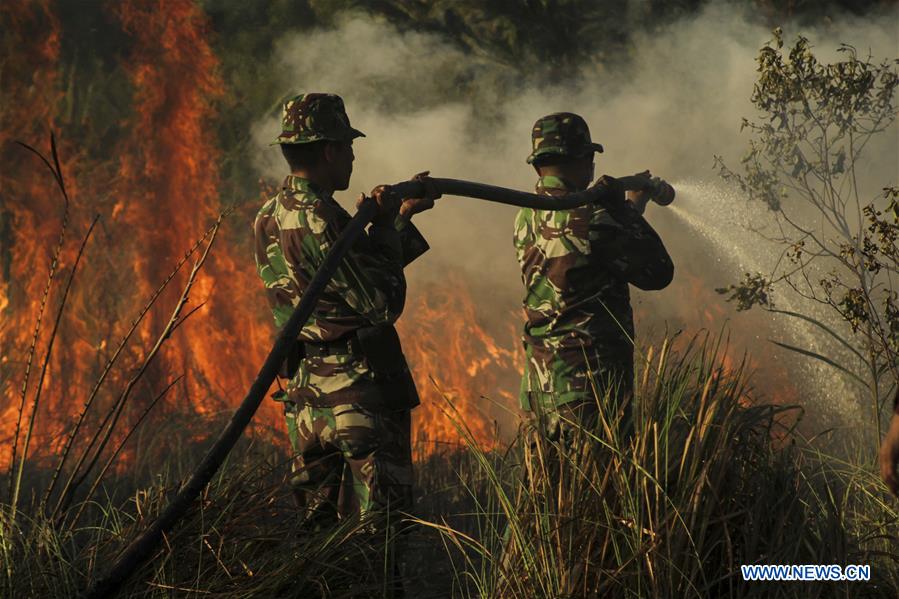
x=584 y=169
x=578 y=172
x=340 y=161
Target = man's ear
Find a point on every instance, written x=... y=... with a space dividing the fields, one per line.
x=329 y=154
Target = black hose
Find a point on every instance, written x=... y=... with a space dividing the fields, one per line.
x=141 y=548
x=502 y=195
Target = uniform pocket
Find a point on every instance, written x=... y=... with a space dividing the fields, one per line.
x=356 y=431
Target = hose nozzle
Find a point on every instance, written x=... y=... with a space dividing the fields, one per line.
x=656 y=189
x=660 y=191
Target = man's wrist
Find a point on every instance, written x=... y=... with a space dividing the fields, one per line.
x=402 y=220
x=639 y=204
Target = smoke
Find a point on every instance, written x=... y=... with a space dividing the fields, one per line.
x=678 y=102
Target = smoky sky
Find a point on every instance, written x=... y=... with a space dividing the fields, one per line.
x=674 y=105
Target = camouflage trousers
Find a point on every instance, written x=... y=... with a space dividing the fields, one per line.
x=579 y=432
x=567 y=472
x=349 y=460
x=611 y=395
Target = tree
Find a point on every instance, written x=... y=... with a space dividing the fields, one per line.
x=840 y=250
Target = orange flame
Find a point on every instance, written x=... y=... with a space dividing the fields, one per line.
x=708 y=310
x=163 y=193
x=168 y=194
x=30 y=211
x=457 y=364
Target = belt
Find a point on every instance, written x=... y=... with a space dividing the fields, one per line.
x=348 y=346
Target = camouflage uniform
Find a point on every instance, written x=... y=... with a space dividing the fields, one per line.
x=576 y=266
x=349 y=429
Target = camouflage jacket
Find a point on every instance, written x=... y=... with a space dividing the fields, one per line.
x=294 y=231
x=576 y=266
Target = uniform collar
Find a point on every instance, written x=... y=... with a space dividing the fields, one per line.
x=301 y=185
x=551 y=182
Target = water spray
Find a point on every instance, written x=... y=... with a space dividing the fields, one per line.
x=721 y=217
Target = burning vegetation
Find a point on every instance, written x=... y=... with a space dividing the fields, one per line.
x=107 y=332
x=161 y=192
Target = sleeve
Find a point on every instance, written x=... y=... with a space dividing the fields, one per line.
x=412 y=241
x=280 y=289
x=370 y=277
x=630 y=248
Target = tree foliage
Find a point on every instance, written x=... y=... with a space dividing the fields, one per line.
x=803 y=163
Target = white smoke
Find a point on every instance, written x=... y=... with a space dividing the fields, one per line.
x=676 y=104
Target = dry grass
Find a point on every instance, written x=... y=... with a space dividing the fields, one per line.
x=703 y=487
x=709 y=480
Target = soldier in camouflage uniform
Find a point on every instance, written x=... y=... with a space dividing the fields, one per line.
x=349 y=425
x=576 y=267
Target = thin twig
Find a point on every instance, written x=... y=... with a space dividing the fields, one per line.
x=44 y=366
x=121 y=445
x=119 y=404
x=102 y=378
x=37 y=327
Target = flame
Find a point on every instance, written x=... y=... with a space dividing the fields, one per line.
x=458 y=366
x=160 y=196
x=158 y=191
x=168 y=193
x=705 y=309
x=29 y=213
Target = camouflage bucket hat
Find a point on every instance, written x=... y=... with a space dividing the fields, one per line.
x=561 y=134
x=313 y=117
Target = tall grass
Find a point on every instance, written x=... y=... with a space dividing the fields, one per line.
x=242 y=539
x=708 y=481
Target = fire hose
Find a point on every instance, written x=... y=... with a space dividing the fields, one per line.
x=603 y=195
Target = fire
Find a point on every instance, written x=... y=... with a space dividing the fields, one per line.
x=168 y=193
x=458 y=366
x=703 y=308
x=168 y=173
x=160 y=196
x=158 y=190
x=30 y=212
